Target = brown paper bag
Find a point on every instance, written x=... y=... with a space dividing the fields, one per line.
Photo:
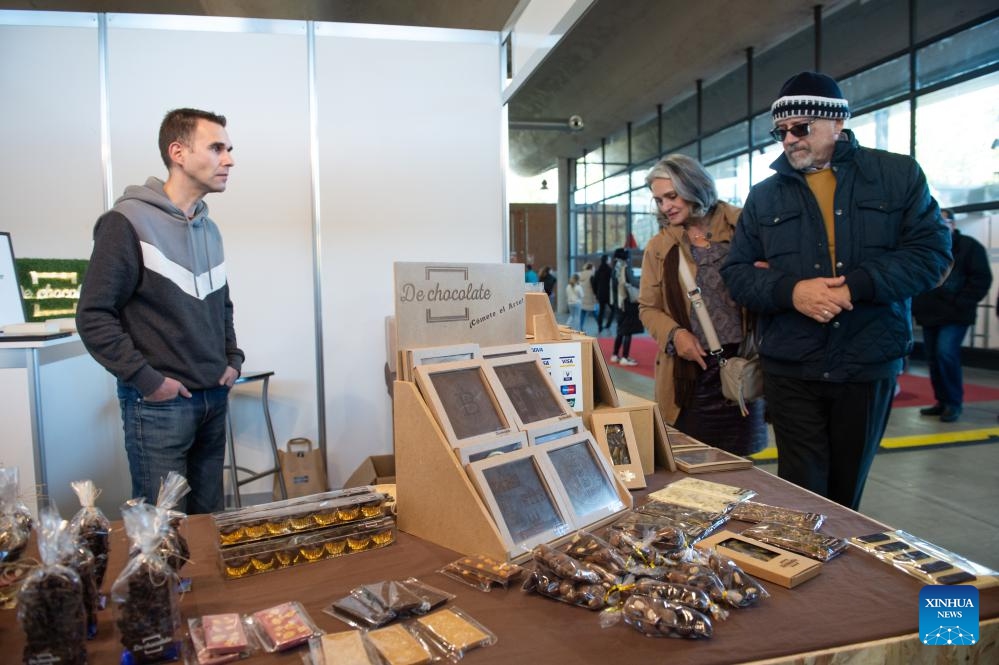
x=302 y=468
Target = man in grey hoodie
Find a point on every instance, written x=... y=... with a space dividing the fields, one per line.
x=155 y=312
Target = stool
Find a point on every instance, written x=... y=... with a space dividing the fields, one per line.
x=234 y=469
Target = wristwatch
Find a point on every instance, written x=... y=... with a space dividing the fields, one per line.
x=670 y=346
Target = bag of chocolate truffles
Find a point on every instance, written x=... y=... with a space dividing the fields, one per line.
x=92 y=527
x=144 y=597
x=50 y=602
x=173 y=547
x=80 y=559
x=15 y=519
x=174 y=488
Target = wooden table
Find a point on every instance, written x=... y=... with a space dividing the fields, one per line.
x=857 y=604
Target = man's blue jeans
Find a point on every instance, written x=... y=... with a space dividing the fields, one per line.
x=186 y=435
x=943 y=354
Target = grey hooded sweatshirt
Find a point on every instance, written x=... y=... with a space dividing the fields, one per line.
x=155 y=301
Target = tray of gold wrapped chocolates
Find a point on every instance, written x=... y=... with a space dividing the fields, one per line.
x=262 y=556
x=299 y=515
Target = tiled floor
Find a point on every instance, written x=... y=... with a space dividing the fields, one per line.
x=944 y=493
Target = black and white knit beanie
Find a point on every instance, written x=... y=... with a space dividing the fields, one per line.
x=810 y=94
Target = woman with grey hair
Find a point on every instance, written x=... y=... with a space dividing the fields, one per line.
x=697 y=228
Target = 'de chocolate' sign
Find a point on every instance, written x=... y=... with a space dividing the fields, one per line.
x=452 y=303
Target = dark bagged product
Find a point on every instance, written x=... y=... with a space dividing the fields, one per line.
x=679 y=593
x=50 y=602
x=741 y=589
x=659 y=532
x=81 y=560
x=590 y=548
x=661 y=618
x=92 y=527
x=173 y=545
x=144 y=597
x=15 y=519
x=565 y=566
x=545 y=581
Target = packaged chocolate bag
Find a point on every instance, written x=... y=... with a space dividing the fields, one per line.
x=50 y=602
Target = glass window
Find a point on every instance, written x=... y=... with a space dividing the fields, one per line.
x=618 y=184
x=680 y=122
x=645 y=140
x=882 y=82
x=860 y=33
x=616 y=153
x=722 y=100
x=643 y=227
x=731 y=178
x=762 y=124
x=762 y=159
x=958 y=141
x=934 y=17
x=726 y=142
x=580 y=174
x=594 y=229
x=884 y=129
x=958 y=54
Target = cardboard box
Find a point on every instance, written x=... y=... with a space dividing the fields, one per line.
x=642 y=421
x=764 y=561
x=375 y=470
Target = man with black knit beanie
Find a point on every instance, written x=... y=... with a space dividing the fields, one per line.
x=829 y=251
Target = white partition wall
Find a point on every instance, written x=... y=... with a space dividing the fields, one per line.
x=255 y=74
x=410 y=138
x=409 y=168
x=51 y=179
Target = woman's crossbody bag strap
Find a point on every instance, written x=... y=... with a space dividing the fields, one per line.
x=700 y=309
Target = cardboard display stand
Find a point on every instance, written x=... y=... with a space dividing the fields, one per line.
x=436 y=499
x=642 y=412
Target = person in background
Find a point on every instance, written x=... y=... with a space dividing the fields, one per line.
x=602 y=288
x=829 y=250
x=589 y=297
x=547 y=278
x=945 y=313
x=574 y=298
x=628 y=321
x=530 y=277
x=695 y=227
x=155 y=311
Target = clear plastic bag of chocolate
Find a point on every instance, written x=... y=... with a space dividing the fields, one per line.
x=655 y=532
x=377 y=604
x=656 y=617
x=593 y=596
x=683 y=594
x=588 y=547
x=569 y=568
x=50 y=602
x=79 y=558
x=15 y=518
x=741 y=589
x=144 y=598
x=751 y=511
x=174 y=488
x=92 y=527
x=820 y=546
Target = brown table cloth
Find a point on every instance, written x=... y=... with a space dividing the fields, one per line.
x=855 y=599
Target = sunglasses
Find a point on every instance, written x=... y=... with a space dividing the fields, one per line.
x=799 y=130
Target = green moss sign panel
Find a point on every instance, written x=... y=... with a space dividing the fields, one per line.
x=50 y=287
